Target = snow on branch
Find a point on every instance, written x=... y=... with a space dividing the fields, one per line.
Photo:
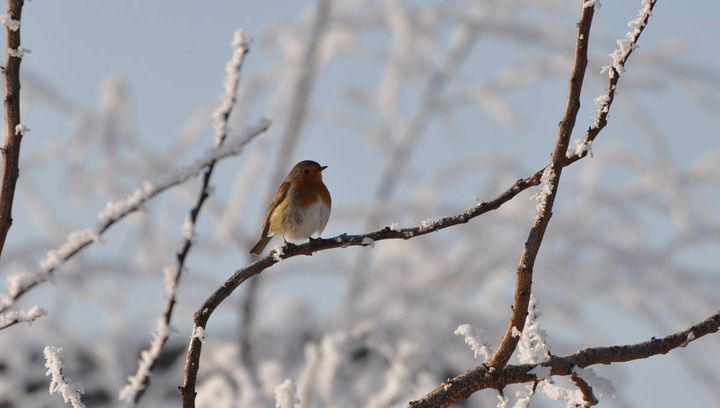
x=58 y=383
x=241 y=46
x=19 y=284
x=619 y=58
x=478 y=344
x=484 y=377
x=139 y=382
x=21 y=316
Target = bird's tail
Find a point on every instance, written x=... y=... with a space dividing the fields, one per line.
x=260 y=245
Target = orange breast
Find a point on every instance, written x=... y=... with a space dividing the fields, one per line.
x=309 y=194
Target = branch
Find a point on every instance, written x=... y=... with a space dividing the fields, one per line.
x=139 y=382
x=58 y=384
x=483 y=377
x=20 y=284
x=14 y=130
x=546 y=197
x=21 y=316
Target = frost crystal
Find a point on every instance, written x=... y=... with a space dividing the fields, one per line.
x=627 y=44
x=516 y=332
x=602 y=386
x=58 y=384
x=285 y=395
x=581 y=146
x=8 y=22
x=544 y=191
x=477 y=343
x=18 y=52
x=21 y=129
x=592 y=3
x=199 y=333
x=188 y=228
x=533 y=348
x=602 y=105
x=368 y=242
x=278 y=252
x=540 y=372
x=395 y=226
x=690 y=337
x=426 y=224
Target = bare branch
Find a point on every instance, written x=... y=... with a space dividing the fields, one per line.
x=140 y=381
x=483 y=377
x=524 y=270
x=20 y=284
x=13 y=128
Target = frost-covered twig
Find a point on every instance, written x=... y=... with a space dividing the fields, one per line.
x=58 y=383
x=484 y=377
x=619 y=59
x=19 y=284
x=11 y=146
x=139 y=382
x=21 y=316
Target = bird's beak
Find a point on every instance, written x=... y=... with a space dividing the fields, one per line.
x=323 y=168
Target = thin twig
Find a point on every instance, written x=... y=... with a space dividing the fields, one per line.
x=139 y=382
x=524 y=270
x=484 y=377
x=20 y=284
x=13 y=128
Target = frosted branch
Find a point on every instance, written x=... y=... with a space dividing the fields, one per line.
x=21 y=316
x=19 y=284
x=139 y=382
x=484 y=376
x=58 y=383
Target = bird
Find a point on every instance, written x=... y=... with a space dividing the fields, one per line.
x=300 y=207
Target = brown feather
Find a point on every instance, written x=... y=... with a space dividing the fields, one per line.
x=277 y=199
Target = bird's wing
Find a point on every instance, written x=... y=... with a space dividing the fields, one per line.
x=279 y=197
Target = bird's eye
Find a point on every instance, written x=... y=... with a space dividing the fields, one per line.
x=306 y=172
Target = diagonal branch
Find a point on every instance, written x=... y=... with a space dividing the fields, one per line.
x=140 y=381
x=546 y=198
x=484 y=377
x=20 y=284
x=14 y=130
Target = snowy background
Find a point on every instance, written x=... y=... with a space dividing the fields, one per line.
x=418 y=108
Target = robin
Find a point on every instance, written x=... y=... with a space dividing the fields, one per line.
x=300 y=208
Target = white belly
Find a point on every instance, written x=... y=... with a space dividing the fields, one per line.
x=306 y=222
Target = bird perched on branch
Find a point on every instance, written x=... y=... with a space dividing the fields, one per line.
x=300 y=208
